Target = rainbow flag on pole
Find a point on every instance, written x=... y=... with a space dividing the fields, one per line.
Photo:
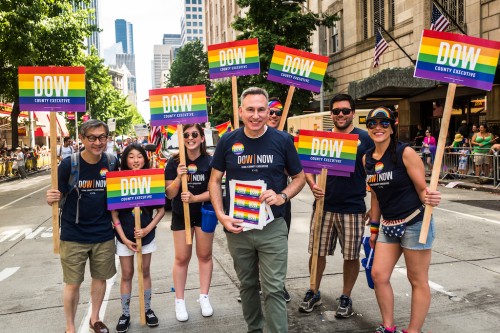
x=224 y=128
x=180 y=105
x=237 y=58
x=458 y=59
x=60 y=89
x=135 y=188
x=297 y=68
x=170 y=129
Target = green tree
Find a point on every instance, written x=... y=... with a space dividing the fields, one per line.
x=190 y=66
x=38 y=33
x=272 y=22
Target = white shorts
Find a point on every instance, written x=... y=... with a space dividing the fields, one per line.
x=123 y=251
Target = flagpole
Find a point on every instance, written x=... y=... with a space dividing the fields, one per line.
x=450 y=17
x=406 y=54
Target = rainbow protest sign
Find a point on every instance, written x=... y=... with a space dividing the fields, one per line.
x=297 y=68
x=247 y=203
x=135 y=188
x=60 y=89
x=458 y=59
x=327 y=150
x=237 y=58
x=180 y=105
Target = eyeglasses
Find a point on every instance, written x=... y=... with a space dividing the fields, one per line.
x=278 y=113
x=92 y=138
x=345 y=111
x=194 y=135
x=373 y=124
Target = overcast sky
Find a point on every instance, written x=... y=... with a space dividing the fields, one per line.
x=151 y=19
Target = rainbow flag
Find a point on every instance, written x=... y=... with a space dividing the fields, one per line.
x=135 y=188
x=170 y=129
x=60 y=89
x=458 y=59
x=327 y=150
x=297 y=68
x=180 y=105
x=224 y=128
x=237 y=58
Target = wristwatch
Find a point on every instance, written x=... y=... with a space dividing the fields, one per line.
x=284 y=196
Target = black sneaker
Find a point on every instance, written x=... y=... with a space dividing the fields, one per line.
x=286 y=295
x=345 y=307
x=151 y=319
x=123 y=324
x=310 y=301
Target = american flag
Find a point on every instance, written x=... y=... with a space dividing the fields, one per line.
x=438 y=21
x=380 y=47
x=155 y=134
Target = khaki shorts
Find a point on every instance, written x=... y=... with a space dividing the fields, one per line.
x=347 y=228
x=480 y=159
x=74 y=257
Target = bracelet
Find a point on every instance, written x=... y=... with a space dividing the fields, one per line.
x=117 y=224
x=374 y=226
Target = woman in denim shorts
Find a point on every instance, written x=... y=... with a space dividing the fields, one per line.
x=396 y=176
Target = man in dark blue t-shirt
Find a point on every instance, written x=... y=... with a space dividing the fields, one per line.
x=258 y=152
x=86 y=229
x=343 y=213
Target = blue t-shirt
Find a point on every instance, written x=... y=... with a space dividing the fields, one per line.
x=264 y=158
x=346 y=195
x=127 y=220
x=198 y=175
x=391 y=183
x=94 y=222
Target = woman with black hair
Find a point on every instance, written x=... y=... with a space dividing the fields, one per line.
x=198 y=170
x=134 y=157
x=395 y=174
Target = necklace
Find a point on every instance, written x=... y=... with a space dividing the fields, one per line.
x=256 y=137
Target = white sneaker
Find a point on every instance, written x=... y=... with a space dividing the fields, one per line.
x=180 y=310
x=206 y=308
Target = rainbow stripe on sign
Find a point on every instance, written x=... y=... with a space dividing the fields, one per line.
x=297 y=68
x=237 y=58
x=327 y=150
x=60 y=89
x=247 y=203
x=458 y=59
x=135 y=188
x=180 y=105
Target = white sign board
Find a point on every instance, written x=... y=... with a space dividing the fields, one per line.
x=141 y=130
x=112 y=124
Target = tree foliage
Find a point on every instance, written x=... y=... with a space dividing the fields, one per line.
x=272 y=22
x=190 y=66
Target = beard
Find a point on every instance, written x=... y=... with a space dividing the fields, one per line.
x=347 y=123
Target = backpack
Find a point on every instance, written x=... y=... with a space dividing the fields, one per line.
x=73 y=181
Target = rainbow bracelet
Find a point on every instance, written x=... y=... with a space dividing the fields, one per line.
x=374 y=226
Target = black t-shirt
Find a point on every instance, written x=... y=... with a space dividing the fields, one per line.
x=198 y=175
x=346 y=195
x=94 y=222
x=127 y=220
x=393 y=186
x=264 y=158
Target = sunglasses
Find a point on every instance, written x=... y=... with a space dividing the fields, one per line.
x=345 y=111
x=92 y=138
x=194 y=135
x=278 y=113
x=373 y=123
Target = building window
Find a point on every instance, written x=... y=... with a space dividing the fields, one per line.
x=365 y=19
x=200 y=9
x=195 y=31
x=201 y=39
x=335 y=45
x=190 y=38
x=188 y=16
x=188 y=31
x=200 y=24
x=188 y=24
x=188 y=2
x=378 y=14
x=195 y=24
x=455 y=8
x=199 y=2
x=188 y=9
x=195 y=16
x=200 y=16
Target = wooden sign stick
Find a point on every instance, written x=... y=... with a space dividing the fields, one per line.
x=185 y=205
x=140 y=276
x=53 y=174
x=438 y=159
x=234 y=88
x=288 y=102
x=318 y=216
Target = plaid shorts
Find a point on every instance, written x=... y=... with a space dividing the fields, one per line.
x=347 y=228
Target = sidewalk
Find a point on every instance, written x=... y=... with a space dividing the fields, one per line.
x=469 y=184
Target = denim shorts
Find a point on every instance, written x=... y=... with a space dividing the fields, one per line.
x=410 y=238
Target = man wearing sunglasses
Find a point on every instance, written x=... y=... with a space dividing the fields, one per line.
x=257 y=151
x=343 y=213
x=86 y=229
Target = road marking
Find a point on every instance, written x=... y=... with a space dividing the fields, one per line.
x=7 y=272
x=433 y=285
x=21 y=198
x=468 y=215
x=84 y=325
x=28 y=233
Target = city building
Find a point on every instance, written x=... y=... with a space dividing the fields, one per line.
x=350 y=46
x=160 y=63
x=172 y=39
x=124 y=33
x=192 y=21
x=93 y=40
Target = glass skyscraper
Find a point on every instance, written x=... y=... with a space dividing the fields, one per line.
x=124 y=32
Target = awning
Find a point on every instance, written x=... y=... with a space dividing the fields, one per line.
x=43 y=124
x=62 y=125
x=6 y=110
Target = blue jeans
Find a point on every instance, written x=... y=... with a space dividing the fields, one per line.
x=410 y=238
